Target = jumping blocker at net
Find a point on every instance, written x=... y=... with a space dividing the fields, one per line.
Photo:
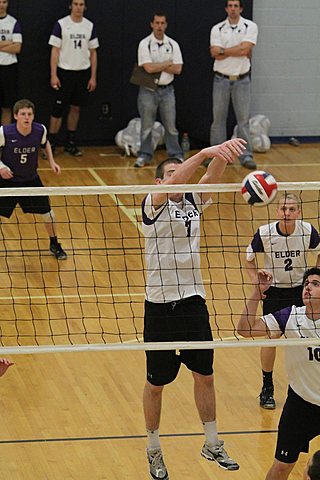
x=175 y=307
x=20 y=143
x=300 y=419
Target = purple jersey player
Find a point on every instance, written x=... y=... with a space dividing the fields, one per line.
x=20 y=143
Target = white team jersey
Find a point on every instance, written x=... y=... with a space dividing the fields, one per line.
x=152 y=50
x=226 y=35
x=9 y=31
x=284 y=255
x=302 y=363
x=75 y=40
x=172 y=249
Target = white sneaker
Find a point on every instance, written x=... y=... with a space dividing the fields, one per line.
x=157 y=467
x=218 y=454
x=140 y=162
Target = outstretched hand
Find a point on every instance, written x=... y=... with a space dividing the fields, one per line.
x=264 y=281
x=228 y=150
x=4 y=365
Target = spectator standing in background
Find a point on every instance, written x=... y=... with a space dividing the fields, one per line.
x=159 y=53
x=10 y=46
x=231 y=44
x=73 y=71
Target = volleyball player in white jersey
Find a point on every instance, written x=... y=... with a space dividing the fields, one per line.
x=175 y=308
x=300 y=418
x=73 y=71
x=284 y=244
x=10 y=47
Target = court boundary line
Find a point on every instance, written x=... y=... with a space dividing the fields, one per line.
x=130 y=437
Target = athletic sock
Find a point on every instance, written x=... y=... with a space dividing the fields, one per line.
x=267 y=379
x=153 y=439
x=210 y=431
x=53 y=241
x=71 y=136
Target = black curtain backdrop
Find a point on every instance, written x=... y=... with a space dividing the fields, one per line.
x=121 y=24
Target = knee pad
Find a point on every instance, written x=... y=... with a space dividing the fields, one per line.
x=49 y=217
x=58 y=108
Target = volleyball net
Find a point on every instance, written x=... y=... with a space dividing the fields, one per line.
x=95 y=299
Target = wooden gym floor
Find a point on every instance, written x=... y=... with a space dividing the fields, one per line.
x=79 y=415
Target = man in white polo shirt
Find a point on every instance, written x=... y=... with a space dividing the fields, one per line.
x=159 y=53
x=231 y=44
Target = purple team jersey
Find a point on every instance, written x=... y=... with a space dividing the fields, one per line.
x=20 y=152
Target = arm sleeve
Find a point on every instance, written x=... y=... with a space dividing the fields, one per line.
x=44 y=137
x=251 y=33
x=16 y=33
x=2 y=137
x=277 y=321
x=93 y=42
x=176 y=54
x=144 y=55
x=56 y=36
x=256 y=246
x=215 y=37
x=314 y=239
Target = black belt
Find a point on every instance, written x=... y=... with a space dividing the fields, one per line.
x=232 y=78
x=165 y=86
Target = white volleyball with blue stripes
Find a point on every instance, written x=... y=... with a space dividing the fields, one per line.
x=259 y=188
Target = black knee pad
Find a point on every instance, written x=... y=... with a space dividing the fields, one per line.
x=58 y=108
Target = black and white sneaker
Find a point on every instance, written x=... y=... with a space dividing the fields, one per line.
x=58 y=251
x=216 y=453
x=157 y=467
x=73 y=150
x=266 y=398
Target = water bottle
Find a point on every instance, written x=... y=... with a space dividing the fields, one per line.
x=185 y=144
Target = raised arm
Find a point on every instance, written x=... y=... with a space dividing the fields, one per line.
x=249 y=324
x=226 y=154
x=223 y=154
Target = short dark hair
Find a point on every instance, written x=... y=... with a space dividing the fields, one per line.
x=240 y=3
x=167 y=161
x=310 y=271
x=314 y=468
x=159 y=14
x=71 y=2
x=24 y=103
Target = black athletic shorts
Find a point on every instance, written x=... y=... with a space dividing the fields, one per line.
x=28 y=204
x=278 y=298
x=8 y=85
x=299 y=423
x=74 y=87
x=184 y=320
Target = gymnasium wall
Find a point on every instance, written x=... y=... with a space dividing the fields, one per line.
x=286 y=62
x=286 y=66
x=121 y=24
